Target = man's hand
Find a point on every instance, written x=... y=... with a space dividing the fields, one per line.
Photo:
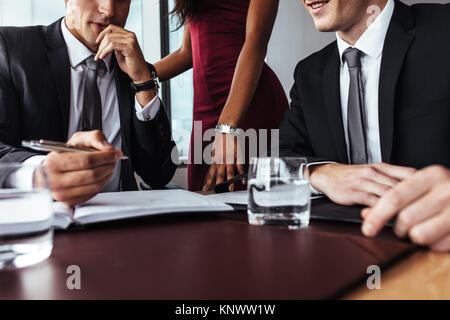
x=357 y=184
x=129 y=57
x=77 y=177
x=422 y=206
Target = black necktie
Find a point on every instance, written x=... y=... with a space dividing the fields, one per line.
x=91 y=118
x=356 y=108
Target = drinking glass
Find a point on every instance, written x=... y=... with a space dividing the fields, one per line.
x=279 y=194
x=26 y=216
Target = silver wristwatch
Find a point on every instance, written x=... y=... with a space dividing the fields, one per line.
x=227 y=129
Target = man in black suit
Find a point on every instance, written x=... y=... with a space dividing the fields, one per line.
x=371 y=108
x=73 y=79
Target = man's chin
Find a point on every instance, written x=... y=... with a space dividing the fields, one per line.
x=324 y=26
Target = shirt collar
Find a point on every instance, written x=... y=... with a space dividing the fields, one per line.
x=77 y=51
x=372 y=40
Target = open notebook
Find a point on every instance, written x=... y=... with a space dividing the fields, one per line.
x=123 y=205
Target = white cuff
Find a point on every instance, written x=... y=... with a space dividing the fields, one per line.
x=149 y=111
x=23 y=178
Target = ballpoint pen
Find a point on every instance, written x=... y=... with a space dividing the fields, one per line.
x=48 y=146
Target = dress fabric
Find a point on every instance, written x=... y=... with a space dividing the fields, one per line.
x=217 y=37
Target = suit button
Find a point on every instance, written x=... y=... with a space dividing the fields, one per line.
x=148 y=118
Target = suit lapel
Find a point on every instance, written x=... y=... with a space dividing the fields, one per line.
x=60 y=67
x=397 y=44
x=332 y=100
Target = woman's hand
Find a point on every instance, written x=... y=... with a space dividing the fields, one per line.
x=228 y=159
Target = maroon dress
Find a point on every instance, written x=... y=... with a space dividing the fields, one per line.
x=217 y=37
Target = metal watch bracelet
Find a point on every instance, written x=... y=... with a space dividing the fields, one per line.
x=227 y=129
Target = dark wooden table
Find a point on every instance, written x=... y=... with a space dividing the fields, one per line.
x=205 y=256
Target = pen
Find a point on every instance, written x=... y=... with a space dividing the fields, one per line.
x=48 y=146
x=223 y=187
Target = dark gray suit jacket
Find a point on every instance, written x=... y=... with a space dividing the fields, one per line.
x=414 y=95
x=35 y=103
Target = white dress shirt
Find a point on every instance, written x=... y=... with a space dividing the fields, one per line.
x=371 y=43
x=78 y=53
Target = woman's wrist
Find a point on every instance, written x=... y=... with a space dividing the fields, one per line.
x=226 y=129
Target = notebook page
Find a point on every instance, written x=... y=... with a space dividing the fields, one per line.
x=120 y=205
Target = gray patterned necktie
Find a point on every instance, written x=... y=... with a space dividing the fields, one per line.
x=91 y=118
x=356 y=118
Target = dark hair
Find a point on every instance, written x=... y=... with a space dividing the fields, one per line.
x=184 y=10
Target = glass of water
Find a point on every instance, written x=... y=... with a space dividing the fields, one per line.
x=26 y=216
x=278 y=193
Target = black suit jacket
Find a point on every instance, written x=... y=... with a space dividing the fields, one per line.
x=35 y=103
x=414 y=95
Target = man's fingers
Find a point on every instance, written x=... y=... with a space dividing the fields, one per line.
x=113 y=46
x=381 y=178
x=392 y=202
x=419 y=211
x=374 y=188
x=442 y=245
x=107 y=40
x=68 y=194
x=90 y=139
x=79 y=178
x=75 y=161
x=111 y=43
x=397 y=172
x=365 y=212
x=110 y=29
x=79 y=200
x=364 y=198
x=431 y=230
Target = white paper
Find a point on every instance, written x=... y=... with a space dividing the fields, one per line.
x=237 y=197
x=121 y=205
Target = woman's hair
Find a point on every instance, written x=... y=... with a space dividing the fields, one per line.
x=184 y=10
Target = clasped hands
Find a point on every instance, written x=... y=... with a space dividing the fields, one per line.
x=419 y=199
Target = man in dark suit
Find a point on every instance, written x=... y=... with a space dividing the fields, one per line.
x=372 y=107
x=73 y=79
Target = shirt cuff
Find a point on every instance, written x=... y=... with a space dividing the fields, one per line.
x=314 y=191
x=23 y=178
x=149 y=112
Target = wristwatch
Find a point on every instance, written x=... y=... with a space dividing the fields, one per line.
x=227 y=129
x=153 y=83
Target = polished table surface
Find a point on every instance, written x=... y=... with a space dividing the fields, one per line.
x=223 y=257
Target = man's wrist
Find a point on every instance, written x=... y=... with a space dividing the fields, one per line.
x=145 y=97
x=315 y=177
x=143 y=78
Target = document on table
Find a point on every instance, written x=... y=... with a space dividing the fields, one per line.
x=237 y=198
x=124 y=205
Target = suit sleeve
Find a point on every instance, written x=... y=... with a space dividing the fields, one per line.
x=10 y=112
x=155 y=152
x=294 y=139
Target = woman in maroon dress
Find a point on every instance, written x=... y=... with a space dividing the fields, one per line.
x=226 y=43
